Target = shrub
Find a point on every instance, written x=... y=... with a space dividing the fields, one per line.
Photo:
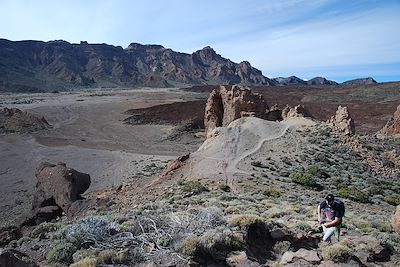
x=86 y=262
x=244 y=221
x=90 y=230
x=317 y=172
x=272 y=192
x=23 y=240
x=110 y=256
x=304 y=227
x=224 y=187
x=44 y=227
x=256 y=164
x=194 y=187
x=304 y=179
x=190 y=245
x=393 y=199
x=354 y=194
x=281 y=247
x=337 y=253
x=61 y=253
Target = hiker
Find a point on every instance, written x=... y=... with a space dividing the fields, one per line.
x=330 y=214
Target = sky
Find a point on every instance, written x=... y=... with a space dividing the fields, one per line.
x=336 y=39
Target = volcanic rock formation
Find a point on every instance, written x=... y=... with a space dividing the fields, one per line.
x=293 y=112
x=343 y=121
x=57 y=188
x=396 y=220
x=14 y=120
x=225 y=105
x=392 y=127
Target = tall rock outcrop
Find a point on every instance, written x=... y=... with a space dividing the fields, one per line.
x=392 y=127
x=343 y=121
x=293 y=112
x=396 y=220
x=226 y=104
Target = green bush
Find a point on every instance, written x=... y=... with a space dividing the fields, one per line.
x=61 y=253
x=354 y=194
x=272 y=192
x=224 y=187
x=190 y=245
x=43 y=228
x=194 y=187
x=393 y=199
x=305 y=179
x=86 y=262
x=244 y=221
x=337 y=253
x=317 y=172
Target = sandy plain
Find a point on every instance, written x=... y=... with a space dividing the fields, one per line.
x=89 y=135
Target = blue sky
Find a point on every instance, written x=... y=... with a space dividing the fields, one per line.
x=337 y=39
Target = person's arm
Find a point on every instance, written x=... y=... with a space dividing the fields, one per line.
x=319 y=214
x=335 y=222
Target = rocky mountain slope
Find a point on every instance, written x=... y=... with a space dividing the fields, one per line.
x=361 y=81
x=59 y=65
x=293 y=80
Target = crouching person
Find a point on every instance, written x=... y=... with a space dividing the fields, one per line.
x=330 y=215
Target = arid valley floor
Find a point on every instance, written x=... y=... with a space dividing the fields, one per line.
x=245 y=196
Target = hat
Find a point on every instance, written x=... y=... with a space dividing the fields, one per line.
x=330 y=197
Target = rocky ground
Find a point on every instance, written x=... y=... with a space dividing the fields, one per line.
x=87 y=133
x=246 y=197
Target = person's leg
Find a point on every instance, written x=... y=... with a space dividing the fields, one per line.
x=328 y=232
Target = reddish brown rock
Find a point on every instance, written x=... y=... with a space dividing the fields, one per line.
x=295 y=112
x=396 y=220
x=57 y=188
x=174 y=165
x=392 y=127
x=225 y=105
x=240 y=259
x=343 y=121
x=15 y=120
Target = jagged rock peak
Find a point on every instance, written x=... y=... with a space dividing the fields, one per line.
x=228 y=103
x=321 y=81
x=137 y=46
x=343 y=121
x=361 y=81
x=392 y=127
x=292 y=80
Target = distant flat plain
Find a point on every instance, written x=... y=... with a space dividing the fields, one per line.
x=89 y=135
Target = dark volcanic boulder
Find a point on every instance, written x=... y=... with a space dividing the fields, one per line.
x=225 y=105
x=12 y=257
x=57 y=188
x=8 y=234
x=15 y=120
x=59 y=183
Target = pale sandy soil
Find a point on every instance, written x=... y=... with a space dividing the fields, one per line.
x=226 y=156
x=88 y=135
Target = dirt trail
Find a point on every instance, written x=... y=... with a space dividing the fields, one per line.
x=230 y=165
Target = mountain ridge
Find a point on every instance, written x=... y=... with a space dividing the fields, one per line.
x=43 y=66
